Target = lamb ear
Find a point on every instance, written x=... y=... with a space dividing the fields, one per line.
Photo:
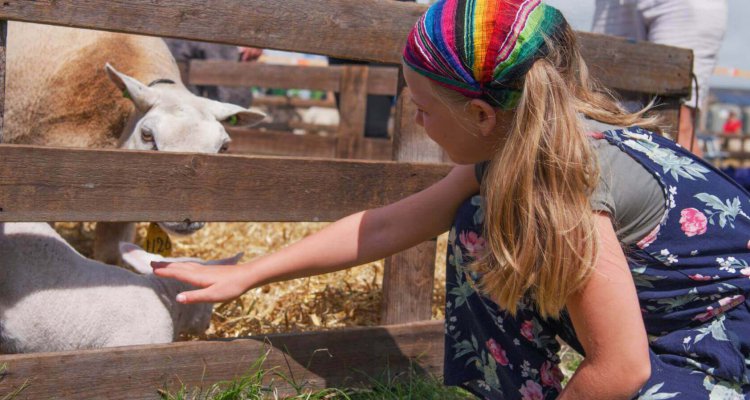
x=226 y=261
x=141 y=95
x=138 y=258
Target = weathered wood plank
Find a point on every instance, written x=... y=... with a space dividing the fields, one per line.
x=375 y=31
x=284 y=101
x=642 y=67
x=668 y=111
x=352 y=109
x=250 y=141
x=277 y=143
x=243 y=74
x=408 y=276
x=3 y=41
x=328 y=129
x=372 y=149
x=408 y=283
x=317 y=360
x=48 y=184
x=381 y=80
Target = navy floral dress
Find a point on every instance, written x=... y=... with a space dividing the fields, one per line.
x=691 y=274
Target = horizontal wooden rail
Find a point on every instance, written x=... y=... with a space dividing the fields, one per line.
x=315 y=360
x=640 y=67
x=380 y=80
x=328 y=129
x=280 y=143
x=49 y=184
x=284 y=101
x=252 y=141
x=375 y=30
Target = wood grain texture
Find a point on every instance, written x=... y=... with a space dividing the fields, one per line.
x=381 y=80
x=369 y=30
x=408 y=284
x=642 y=67
x=373 y=30
x=408 y=276
x=247 y=74
x=279 y=143
x=320 y=359
x=47 y=184
x=3 y=42
x=284 y=101
x=352 y=109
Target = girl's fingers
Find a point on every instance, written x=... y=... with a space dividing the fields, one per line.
x=180 y=271
x=198 y=296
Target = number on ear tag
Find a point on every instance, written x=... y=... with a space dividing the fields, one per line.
x=157 y=241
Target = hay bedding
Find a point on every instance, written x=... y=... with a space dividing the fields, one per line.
x=345 y=298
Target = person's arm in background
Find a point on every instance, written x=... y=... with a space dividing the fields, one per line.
x=354 y=240
x=249 y=53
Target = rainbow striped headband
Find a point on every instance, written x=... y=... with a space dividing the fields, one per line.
x=481 y=48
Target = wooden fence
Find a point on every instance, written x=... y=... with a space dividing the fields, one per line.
x=354 y=83
x=43 y=184
x=606 y=63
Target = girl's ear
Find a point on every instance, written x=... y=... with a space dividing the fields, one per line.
x=483 y=115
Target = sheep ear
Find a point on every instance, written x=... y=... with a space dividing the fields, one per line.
x=233 y=115
x=138 y=258
x=141 y=95
x=226 y=261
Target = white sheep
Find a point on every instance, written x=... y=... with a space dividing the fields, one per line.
x=58 y=94
x=54 y=299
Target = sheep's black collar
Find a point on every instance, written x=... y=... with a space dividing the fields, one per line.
x=158 y=81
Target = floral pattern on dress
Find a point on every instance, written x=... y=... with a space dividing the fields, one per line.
x=691 y=273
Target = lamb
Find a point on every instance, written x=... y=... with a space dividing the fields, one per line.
x=54 y=299
x=73 y=87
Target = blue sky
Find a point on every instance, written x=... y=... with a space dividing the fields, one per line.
x=735 y=51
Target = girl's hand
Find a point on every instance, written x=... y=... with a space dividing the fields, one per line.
x=219 y=283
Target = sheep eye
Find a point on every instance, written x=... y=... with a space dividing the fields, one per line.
x=224 y=148
x=147 y=135
x=232 y=120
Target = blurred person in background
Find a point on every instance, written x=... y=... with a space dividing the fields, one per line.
x=698 y=25
x=733 y=126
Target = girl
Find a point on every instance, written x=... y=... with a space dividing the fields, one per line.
x=589 y=226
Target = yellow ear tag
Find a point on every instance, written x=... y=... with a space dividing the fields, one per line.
x=233 y=120
x=157 y=241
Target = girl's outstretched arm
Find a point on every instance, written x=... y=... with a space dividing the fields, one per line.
x=608 y=323
x=354 y=240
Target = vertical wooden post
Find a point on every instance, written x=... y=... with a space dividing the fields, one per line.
x=184 y=67
x=408 y=276
x=3 y=42
x=352 y=109
x=669 y=112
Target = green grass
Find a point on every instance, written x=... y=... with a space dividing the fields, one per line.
x=404 y=386
x=250 y=386
x=16 y=392
x=411 y=385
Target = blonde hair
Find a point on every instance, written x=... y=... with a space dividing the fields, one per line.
x=539 y=226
